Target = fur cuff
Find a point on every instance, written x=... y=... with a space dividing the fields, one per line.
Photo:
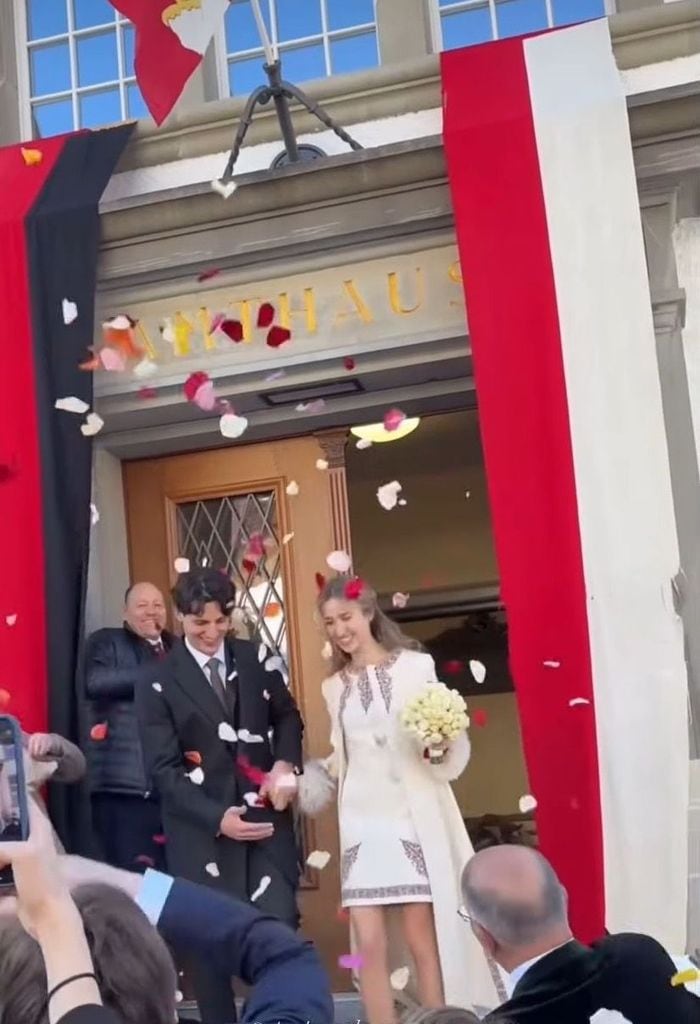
x=316 y=788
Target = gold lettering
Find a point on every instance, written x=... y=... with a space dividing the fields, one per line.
x=395 y=298
x=361 y=309
x=204 y=317
x=148 y=346
x=182 y=330
x=243 y=309
x=308 y=311
x=455 y=275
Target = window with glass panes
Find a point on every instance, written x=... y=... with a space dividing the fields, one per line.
x=315 y=38
x=464 y=22
x=80 y=57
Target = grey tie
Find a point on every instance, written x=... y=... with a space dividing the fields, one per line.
x=217 y=683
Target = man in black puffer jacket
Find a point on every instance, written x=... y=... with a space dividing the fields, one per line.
x=125 y=813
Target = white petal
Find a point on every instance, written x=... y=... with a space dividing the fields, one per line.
x=363 y=443
x=287 y=537
x=527 y=803
x=72 y=404
x=609 y=1017
x=178 y=996
x=402 y=502
x=274 y=664
x=157 y=687
x=145 y=368
x=478 y=670
x=262 y=888
x=318 y=859
x=339 y=561
x=292 y=488
x=10 y=619
x=224 y=188
x=248 y=737
x=94 y=514
x=400 y=600
x=578 y=700
x=119 y=323
x=232 y=426
x=168 y=331
x=212 y=869
x=399 y=978
x=231 y=675
x=196 y=776
x=181 y=565
x=227 y=733
x=467 y=494
x=551 y=664
x=387 y=495
x=266 y=694
x=327 y=650
x=93 y=425
x=322 y=464
x=262 y=652
x=252 y=799
x=70 y=311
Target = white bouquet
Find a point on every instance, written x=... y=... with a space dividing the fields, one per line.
x=436 y=716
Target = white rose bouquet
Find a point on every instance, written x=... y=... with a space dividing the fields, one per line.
x=436 y=716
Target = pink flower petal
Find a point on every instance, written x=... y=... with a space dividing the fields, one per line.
x=350 y=961
x=204 y=396
x=393 y=419
x=112 y=359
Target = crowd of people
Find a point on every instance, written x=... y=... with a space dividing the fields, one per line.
x=195 y=765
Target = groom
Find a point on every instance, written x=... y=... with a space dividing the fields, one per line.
x=222 y=740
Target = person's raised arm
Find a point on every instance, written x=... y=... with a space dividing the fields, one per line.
x=105 y=678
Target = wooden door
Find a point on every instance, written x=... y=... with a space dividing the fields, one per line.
x=205 y=506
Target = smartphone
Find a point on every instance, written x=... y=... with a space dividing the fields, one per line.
x=14 y=811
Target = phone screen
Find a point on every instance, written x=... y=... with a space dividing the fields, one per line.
x=13 y=823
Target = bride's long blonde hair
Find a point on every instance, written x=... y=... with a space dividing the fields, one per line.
x=384 y=630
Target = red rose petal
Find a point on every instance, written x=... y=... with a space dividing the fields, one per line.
x=144 y=859
x=277 y=336
x=5 y=698
x=99 y=731
x=207 y=275
x=349 y=363
x=256 y=546
x=266 y=314
x=479 y=717
x=320 y=581
x=146 y=393
x=193 y=756
x=194 y=383
x=452 y=668
x=249 y=565
x=233 y=329
x=393 y=418
x=160 y=840
x=353 y=589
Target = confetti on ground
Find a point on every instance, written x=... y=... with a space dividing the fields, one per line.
x=227 y=733
x=354 y=589
x=388 y=495
x=363 y=443
x=478 y=670
x=157 y=687
x=233 y=329
x=262 y=652
x=262 y=888
x=350 y=961
x=479 y=717
x=98 y=732
x=266 y=694
x=266 y=314
x=687 y=977
x=31 y=157
x=144 y=859
x=393 y=419
x=552 y=664
x=144 y=393
x=339 y=561
x=10 y=619
x=349 y=363
x=578 y=700
x=527 y=803
x=206 y=275
x=277 y=336
x=249 y=737
x=274 y=664
x=93 y=425
x=69 y=310
x=145 y=368
x=160 y=839
x=224 y=188
x=232 y=426
x=112 y=359
x=292 y=488
x=94 y=514
x=321 y=464
x=196 y=776
x=287 y=537
x=193 y=756
x=212 y=869
x=181 y=565
x=318 y=859
x=609 y=1017
x=72 y=404
x=399 y=600
x=399 y=978
x=5 y=699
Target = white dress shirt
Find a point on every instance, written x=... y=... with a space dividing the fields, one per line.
x=521 y=970
x=204 y=659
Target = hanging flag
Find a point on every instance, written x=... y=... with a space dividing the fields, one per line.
x=549 y=231
x=49 y=243
x=171 y=40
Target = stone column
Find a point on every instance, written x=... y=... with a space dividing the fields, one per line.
x=10 y=131
x=333 y=444
x=403 y=28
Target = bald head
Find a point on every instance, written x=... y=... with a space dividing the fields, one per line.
x=144 y=610
x=514 y=893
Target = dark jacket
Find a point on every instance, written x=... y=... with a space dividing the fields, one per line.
x=182 y=716
x=117 y=664
x=628 y=973
x=90 y=1015
x=287 y=982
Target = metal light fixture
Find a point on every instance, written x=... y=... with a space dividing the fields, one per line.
x=377 y=433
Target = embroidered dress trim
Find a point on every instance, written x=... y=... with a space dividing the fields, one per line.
x=365 y=687
x=384 y=677
x=348 y=859
x=415 y=854
x=385 y=892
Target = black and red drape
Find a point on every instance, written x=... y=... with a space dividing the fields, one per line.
x=49 y=239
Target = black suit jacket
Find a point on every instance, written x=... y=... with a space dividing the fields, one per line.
x=628 y=973
x=179 y=715
x=90 y=1015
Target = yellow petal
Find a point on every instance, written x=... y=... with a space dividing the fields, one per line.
x=32 y=156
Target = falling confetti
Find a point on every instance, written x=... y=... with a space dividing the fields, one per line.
x=527 y=803
x=227 y=733
x=178 y=996
x=262 y=888
x=453 y=667
x=233 y=329
x=388 y=495
x=181 y=565
x=232 y=426
x=399 y=600
x=277 y=336
x=364 y=442
x=354 y=589
x=69 y=310
x=145 y=368
x=231 y=675
x=112 y=359
x=479 y=718
x=552 y=664
x=393 y=419
x=193 y=383
x=274 y=664
x=478 y=670
x=94 y=514
x=157 y=687
x=145 y=393
x=266 y=694
x=266 y=314
x=144 y=859
x=339 y=561
x=578 y=700
x=196 y=776
x=93 y=425
x=5 y=699
x=206 y=275
x=321 y=464
x=272 y=610
x=399 y=978
x=320 y=581
x=72 y=404
x=350 y=961
x=687 y=977
x=292 y=488
x=212 y=869
x=342 y=914
x=10 y=620
x=160 y=839
x=262 y=652
x=31 y=157
x=99 y=732
x=253 y=800
x=224 y=188
x=318 y=405
x=402 y=502
x=349 y=363
x=467 y=494
x=609 y=1017
x=193 y=756
x=318 y=859
x=249 y=737
x=286 y=539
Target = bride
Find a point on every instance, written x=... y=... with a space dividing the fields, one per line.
x=403 y=841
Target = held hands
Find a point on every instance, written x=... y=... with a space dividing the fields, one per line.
x=42 y=746
x=234 y=827
x=280 y=786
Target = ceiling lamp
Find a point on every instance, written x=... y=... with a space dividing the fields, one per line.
x=378 y=434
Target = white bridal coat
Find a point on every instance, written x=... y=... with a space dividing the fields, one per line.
x=446 y=846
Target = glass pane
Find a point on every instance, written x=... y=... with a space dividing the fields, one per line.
x=46 y=18
x=246 y=75
x=52 y=118
x=517 y=17
x=241 y=29
x=354 y=53
x=135 y=107
x=567 y=12
x=238 y=534
x=129 y=41
x=304 y=63
x=341 y=14
x=97 y=58
x=466 y=28
x=98 y=109
x=297 y=19
x=92 y=12
x=49 y=69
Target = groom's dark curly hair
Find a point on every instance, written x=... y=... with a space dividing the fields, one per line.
x=200 y=587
